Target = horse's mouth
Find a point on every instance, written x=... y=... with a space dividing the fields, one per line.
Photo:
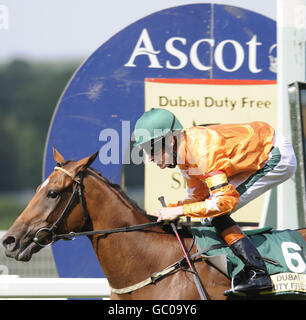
x=24 y=252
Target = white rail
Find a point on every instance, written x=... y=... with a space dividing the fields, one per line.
x=14 y=287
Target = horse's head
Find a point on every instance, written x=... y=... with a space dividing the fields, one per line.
x=47 y=205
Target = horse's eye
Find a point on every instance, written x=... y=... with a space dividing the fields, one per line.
x=52 y=194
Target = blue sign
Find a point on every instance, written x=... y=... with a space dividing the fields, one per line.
x=205 y=41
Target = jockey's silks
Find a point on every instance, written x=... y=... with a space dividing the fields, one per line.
x=209 y=157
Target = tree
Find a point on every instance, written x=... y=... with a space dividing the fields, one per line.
x=28 y=96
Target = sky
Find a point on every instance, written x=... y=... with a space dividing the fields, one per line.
x=73 y=29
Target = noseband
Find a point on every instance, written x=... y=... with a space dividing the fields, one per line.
x=78 y=192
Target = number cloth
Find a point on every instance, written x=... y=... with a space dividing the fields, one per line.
x=287 y=247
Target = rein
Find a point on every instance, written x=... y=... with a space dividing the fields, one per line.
x=48 y=234
x=72 y=235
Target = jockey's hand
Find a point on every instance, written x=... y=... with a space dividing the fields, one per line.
x=169 y=214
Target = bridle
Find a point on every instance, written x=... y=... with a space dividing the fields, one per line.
x=77 y=193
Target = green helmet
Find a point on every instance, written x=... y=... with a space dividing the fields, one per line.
x=154 y=124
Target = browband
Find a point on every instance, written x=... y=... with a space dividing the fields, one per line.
x=74 y=178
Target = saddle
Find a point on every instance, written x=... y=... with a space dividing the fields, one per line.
x=284 y=253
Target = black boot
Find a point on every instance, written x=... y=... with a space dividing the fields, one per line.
x=256 y=276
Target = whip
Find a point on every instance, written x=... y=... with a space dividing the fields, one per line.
x=189 y=261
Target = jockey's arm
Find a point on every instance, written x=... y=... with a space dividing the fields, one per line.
x=222 y=199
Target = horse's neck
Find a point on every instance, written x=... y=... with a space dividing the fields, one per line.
x=110 y=208
x=124 y=257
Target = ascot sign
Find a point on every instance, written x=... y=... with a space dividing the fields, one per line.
x=110 y=91
x=144 y=46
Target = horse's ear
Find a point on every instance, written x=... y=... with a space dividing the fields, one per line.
x=86 y=162
x=91 y=159
x=57 y=156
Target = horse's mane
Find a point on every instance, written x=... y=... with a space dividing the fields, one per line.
x=118 y=188
x=166 y=227
x=62 y=164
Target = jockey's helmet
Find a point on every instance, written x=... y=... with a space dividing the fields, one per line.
x=154 y=124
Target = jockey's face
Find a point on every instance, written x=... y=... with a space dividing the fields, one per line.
x=162 y=152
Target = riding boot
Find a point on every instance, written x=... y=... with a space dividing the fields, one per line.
x=256 y=276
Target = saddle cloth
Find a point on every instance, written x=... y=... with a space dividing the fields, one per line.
x=284 y=254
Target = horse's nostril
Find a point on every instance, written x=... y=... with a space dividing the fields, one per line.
x=9 y=243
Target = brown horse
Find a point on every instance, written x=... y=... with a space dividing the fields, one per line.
x=126 y=258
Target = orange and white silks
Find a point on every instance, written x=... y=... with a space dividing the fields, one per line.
x=210 y=156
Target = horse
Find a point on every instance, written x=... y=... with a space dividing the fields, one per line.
x=75 y=198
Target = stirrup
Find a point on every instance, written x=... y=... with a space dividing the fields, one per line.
x=232 y=288
x=251 y=291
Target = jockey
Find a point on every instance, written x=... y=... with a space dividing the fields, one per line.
x=225 y=167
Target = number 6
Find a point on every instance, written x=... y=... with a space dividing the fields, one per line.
x=289 y=257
